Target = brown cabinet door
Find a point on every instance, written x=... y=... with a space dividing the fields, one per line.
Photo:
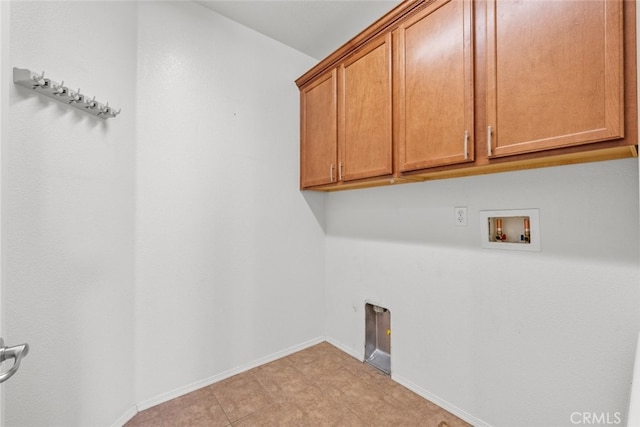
x=434 y=86
x=319 y=132
x=365 y=112
x=554 y=74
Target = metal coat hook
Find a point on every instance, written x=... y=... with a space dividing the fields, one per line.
x=92 y=104
x=44 y=86
x=76 y=97
x=108 y=111
x=104 y=110
x=60 y=90
x=38 y=81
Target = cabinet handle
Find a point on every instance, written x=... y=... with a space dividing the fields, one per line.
x=340 y=171
x=331 y=172
x=466 y=144
x=489 y=133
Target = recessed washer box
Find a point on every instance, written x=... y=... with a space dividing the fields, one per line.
x=511 y=229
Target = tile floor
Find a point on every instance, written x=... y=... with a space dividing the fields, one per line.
x=318 y=386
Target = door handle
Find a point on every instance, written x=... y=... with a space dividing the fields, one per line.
x=16 y=353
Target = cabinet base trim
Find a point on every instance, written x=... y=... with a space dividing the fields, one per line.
x=614 y=153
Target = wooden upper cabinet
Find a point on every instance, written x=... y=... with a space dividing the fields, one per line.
x=445 y=88
x=319 y=131
x=554 y=74
x=365 y=122
x=433 y=65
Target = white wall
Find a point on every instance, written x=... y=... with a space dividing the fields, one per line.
x=508 y=338
x=67 y=199
x=229 y=254
x=4 y=114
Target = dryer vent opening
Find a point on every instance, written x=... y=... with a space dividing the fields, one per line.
x=377 y=346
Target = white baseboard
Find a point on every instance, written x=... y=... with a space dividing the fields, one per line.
x=359 y=355
x=440 y=402
x=125 y=417
x=633 y=414
x=225 y=374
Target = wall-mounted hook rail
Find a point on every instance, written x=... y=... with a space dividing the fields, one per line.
x=58 y=91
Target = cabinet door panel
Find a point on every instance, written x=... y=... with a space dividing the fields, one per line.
x=365 y=112
x=555 y=74
x=319 y=115
x=434 y=100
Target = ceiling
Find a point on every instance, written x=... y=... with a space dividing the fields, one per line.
x=314 y=27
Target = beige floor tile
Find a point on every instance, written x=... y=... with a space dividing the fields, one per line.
x=335 y=387
x=326 y=411
x=241 y=397
x=148 y=418
x=318 y=386
x=139 y=421
x=285 y=379
x=274 y=415
x=193 y=415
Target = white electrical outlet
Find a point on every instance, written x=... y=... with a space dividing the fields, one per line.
x=460 y=216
